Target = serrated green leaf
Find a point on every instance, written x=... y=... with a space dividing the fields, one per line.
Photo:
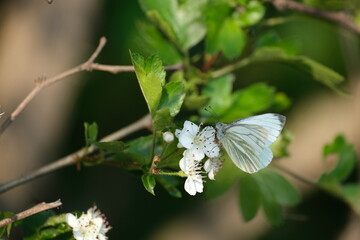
x=249 y=197
x=169 y=183
x=162 y=119
x=182 y=22
x=151 y=41
x=151 y=77
x=91 y=132
x=253 y=12
x=173 y=96
x=114 y=147
x=149 y=183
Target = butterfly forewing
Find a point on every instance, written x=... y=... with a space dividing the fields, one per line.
x=247 y=140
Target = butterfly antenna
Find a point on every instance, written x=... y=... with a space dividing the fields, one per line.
x=210 y=110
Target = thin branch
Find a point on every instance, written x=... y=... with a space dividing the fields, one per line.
x=342 y=18
x=295 y=175
x=31 y=211
x=71 y=159
x=89 y=65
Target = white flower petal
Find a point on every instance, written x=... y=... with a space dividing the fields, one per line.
x=183 y=164
x=211 y=175
x=72 y=221
x=212 y=150
x=198 y=154
x=177 y=133
x=199 y=185
x=190 y=127
x=207 y=165
x=190 y=186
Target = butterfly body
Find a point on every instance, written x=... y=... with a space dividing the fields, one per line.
x=247 y=140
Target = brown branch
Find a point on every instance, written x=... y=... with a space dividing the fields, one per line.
x=89 y=65
x=31 y=211
x=342 y=18
x=71 y=159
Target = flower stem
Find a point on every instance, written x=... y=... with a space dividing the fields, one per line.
x=179 y=173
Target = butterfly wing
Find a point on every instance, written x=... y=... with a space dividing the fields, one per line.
x=247 y=140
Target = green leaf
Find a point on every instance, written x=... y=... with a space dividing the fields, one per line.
x=114 y=147
x=218 y=90
x=317 y=71
x=183 y=22
x=345 y=165
x=275 y=191
x=32 y=225
x=162 y=119
x=8 y=227
x=249 y=197
x=173 y=96
x=91 y=132
x=224 y=179
x=272 y=210
x=248 y=101
x=280 y=146
x=137 y=154
x=169 y=183
x=281 y=102
x=195 y=101
x=149 y=183
x=277 y=187
x=272 y=39
x=151 y=76
x=224 y=34
x=151 y=41
x=253 y=12
x=351 y=193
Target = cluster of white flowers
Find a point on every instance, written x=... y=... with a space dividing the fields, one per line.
x=91 y=225
x=198 y=144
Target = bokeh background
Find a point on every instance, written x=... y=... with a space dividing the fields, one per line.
x=40 y=39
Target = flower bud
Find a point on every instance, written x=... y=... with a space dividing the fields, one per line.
x=168 y=137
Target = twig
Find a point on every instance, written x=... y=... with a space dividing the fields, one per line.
x=31 y=211
x=295 y=175
x=89 y=65
x=342 y=18
x=144 y=122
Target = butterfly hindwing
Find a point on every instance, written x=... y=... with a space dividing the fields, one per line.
x=247 y=140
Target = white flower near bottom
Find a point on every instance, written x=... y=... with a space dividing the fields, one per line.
x=192 y=168
x=91 y=225
x=212 y=166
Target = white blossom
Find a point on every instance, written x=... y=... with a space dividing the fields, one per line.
x=200 y=143
x=192 y=168
x=91 y=225
x=168 y=137
x=212 y=166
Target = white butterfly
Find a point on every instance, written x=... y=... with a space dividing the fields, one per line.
x=247 y=140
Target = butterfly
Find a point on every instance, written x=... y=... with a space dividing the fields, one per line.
x=247 y=140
